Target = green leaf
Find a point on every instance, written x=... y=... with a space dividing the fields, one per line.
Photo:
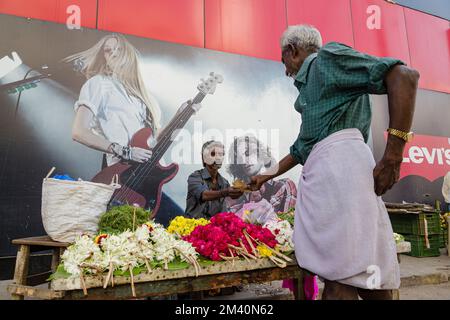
x=136 y=270
x=205 y=262
x=177 y=265
x=288 y=253
x=60 y=273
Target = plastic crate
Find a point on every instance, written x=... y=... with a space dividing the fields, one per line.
x=411 y=223
x=418 y=245
x=443 y=239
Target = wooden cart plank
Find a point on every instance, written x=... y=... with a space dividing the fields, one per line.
x=34 y=292
x=40 y=241
x=37 y=279
x=21 y=269
x=183 y=285
x=403 y=247
x=159 y=274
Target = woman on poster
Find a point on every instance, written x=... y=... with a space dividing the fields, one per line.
x=114 y=104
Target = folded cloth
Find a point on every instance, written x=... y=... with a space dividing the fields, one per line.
x=310 y=286
x=342 y=229
x=64 y=177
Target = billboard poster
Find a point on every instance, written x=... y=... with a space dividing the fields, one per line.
x=51 y=73
x=66 y=93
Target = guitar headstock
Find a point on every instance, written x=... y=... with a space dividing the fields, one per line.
x=208 y=86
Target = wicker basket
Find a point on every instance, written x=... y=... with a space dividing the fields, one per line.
x=72 y=208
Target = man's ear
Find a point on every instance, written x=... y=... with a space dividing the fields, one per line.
x=293 y=50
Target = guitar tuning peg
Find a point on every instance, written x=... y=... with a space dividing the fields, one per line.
x=211 y=74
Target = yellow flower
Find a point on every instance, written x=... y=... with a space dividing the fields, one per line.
x=184 y=226
x=264 y=251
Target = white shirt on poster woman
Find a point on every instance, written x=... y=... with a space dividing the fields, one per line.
x=117 y=115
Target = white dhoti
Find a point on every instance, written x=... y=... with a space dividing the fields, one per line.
x=342 y=228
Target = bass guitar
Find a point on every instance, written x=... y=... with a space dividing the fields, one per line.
x=142 y=182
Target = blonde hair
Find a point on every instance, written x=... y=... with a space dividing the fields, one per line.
x=124 y=67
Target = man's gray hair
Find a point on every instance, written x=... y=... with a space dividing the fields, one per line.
x=302 y=36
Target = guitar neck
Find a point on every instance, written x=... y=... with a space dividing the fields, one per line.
x=169 y=133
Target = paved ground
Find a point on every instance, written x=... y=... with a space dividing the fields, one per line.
x=426 y=292
x=422 y=278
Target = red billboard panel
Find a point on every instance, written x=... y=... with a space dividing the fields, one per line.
x=179 y=21
x=52 y=10
x=379 y=29
x=248 y=27
x=429 y=45
x=332 y=18
x=426 y=156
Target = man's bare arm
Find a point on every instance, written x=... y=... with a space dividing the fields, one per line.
x=286 y=164
x=401 y=83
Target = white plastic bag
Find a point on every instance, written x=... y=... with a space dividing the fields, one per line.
x=259 y=212
x=72 y=208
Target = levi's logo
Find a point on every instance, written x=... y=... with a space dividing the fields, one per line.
x=426 y=156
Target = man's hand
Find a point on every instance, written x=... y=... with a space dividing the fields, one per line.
x=286 y=164
x=256 y=182
x=385 y=175
x=234 y=193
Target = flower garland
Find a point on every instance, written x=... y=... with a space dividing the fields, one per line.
x=283 y=232
x=398 y=238
x=184 y=226
x=224 y=237
x=148 y=244
x=228 y=236
x=82 y=254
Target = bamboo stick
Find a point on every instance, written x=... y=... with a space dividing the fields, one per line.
x=83 y=284
x=278 y=262
x=232 y=256
x=107 y=277
x=134 y=219
x=247 y=237
x=133 y=290
x=192 y=261
x=246 y=251
x=149 y=270
x=273 y=251
x=243 y=253
x=112 y=273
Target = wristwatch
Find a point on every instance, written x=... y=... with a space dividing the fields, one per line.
x=121 y=151
x=407 y=136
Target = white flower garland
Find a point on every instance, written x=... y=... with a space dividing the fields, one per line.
x=127 y=250
x=283 y=232
x=83 y=253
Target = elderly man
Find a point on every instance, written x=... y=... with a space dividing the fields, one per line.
x=342 y=229
x=207 y=189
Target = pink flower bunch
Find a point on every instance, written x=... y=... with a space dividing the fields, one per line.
x=210 y=241
x=213 y=240
x=262 y=234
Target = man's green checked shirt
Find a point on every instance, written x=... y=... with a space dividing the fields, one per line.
x=334 y=86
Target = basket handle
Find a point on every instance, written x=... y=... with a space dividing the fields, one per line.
x=50 y=172
x=115 y=180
